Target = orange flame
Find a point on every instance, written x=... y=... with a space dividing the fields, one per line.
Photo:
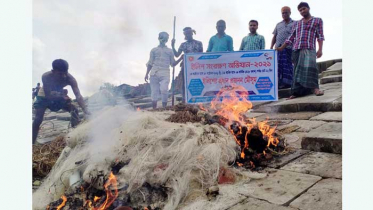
x=89 y=204
x=200 y=105
x=110 y=197
x=96 y=198
x=232 y=103
x=145 y=208
x=232 y=107
x=64 y=199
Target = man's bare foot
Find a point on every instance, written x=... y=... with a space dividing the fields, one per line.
x=318 y=92
x=291 y=97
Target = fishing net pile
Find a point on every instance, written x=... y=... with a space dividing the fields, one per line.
x=141 y=149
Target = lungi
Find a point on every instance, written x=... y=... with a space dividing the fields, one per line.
x=306 y=73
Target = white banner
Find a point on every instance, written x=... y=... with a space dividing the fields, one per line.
x=205 y=74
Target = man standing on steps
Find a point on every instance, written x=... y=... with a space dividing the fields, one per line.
x=280 y=34
x=220 y=42
x=161 y=58
x=53 y=96
x=303 y=38
x=190 y=46
x=253 y=41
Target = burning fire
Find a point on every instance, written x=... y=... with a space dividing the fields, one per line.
x=64 y=199
x=110 y=197
x=232 y=103
x=96 y=198
x=138 y=109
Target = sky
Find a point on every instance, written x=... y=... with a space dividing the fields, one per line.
x=110 y=41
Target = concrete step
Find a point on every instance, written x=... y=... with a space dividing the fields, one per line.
x=330 y=73
x=330 y=101
x=326 y=138
x=284 y=93
x=336 y=66
x=331 y=79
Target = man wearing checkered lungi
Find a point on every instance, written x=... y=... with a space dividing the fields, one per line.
x=303 y=37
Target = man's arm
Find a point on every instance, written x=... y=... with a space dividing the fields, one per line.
x=172 y=60
x=320 y=38
x=176 y=53
x=149 y=65
x=200 y=49
x=273 y=41
x=209 y=48
x=230 y=44
x=274 y=37
x=319 y=52
x=242 y=44
x=263 y=44
x=78 y=96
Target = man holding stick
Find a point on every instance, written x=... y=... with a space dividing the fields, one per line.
x=190 y=46
x=161 y=58
x=303 y=38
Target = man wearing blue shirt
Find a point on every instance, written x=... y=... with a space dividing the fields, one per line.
x=220 y=42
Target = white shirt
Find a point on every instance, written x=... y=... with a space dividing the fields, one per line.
x=161 y=58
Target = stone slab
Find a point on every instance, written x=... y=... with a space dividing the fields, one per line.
x=280 y=187
x=284 y=93
x=228 y=197
x=331 y=73
x=255 y=204
x=321 y=164
x=304 y=125
x=278 y=162
x=329 y=117
x=276 y=122
x=289 y=116
x=325 y=195
x=336 y=66
x=327 y=102
x=260 y=103
x=254 y=114
x=294 y=139
x=326 y=138
x=331 y=79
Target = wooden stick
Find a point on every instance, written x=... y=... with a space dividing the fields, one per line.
x=173 y=71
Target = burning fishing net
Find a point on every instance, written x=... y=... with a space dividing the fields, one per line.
x=151 y=150
x=131 y=158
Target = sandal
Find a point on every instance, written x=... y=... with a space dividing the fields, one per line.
x=291 y=97
x=319 y=92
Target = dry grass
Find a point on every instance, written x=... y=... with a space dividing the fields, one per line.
x=45 y=156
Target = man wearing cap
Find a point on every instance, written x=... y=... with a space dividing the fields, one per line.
x=303 y=38
x=190 y=46
x=161 y=58
x=53 y=97
x=221 y=41
x=253 y=41
x=280 y=34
